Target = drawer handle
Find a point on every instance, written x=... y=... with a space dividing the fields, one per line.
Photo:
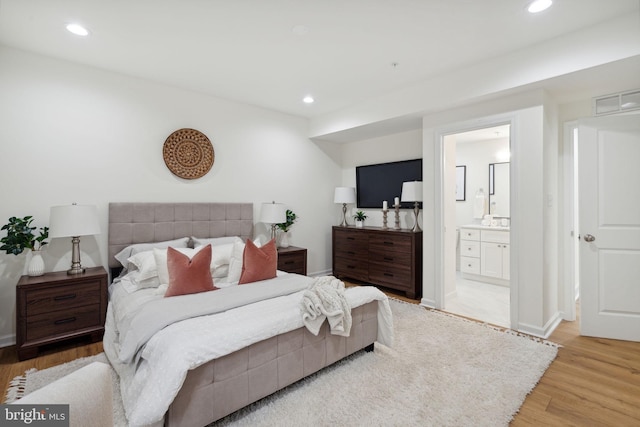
x=63 y=321
x=351 y=252
x=289 y=262
x=468 y=265
x=64 y=297
x=351 y=266
x=351 y=238
x=388 y=258
x=388 y=243
x=388 y=274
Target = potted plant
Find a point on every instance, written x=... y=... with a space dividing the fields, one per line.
x=21 y=236
x=285 y=226
x=360 y=217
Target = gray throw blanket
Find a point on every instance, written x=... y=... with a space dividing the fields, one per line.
x=325 y=300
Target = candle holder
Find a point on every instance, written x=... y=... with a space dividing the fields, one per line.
x=384 y=219
x=396 y=207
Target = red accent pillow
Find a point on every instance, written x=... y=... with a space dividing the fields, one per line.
x=189 y=276
x=259 y=263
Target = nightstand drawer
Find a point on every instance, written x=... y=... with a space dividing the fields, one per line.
x=291 y=263
x=46 y=300
x=60 y=322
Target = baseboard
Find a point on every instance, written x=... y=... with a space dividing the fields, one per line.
x=544 y=332
x=7 y=340
x=428 y=303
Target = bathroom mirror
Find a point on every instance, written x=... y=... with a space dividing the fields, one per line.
x=499 y=189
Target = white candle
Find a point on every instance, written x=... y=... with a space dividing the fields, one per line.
x=384 y=205
x=396 y=201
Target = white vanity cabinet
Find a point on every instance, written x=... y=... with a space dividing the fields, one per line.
x=484 y=254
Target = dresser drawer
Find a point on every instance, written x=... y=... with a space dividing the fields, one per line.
x=46 y=300
x=60 y=322
x=392 y=243
x=469 y=234
x=470 y=265
x=469 y=248
x=351 y=240
x=395 y=276
x=352 y=268
x=391 y=259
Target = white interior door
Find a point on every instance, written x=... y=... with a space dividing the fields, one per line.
x=609 y=218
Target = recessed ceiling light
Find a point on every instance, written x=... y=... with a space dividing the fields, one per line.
x=539 y=5
x=308 y=99
x=78 y=30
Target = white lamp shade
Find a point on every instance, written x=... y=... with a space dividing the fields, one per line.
x=344 y=195
x=273 y=213
x=412 y=191
x=73 y=220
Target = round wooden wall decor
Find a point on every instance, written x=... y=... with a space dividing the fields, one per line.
x=188 y=153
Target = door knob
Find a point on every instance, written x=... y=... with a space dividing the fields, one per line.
x=589 y=238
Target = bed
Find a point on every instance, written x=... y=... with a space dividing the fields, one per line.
x=193 y=369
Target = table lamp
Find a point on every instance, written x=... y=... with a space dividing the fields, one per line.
x=412 y=192
x=273 y=213
x=74 y=221
x=344 y=195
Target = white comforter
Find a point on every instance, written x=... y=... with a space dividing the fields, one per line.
x=149 y=386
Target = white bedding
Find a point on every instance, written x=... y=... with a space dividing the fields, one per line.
x=149 y=386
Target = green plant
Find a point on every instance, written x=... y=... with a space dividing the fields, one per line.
x=20 y=236
x=360 y=216
x=291 y=218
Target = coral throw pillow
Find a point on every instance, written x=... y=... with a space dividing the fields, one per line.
x=189 y=276
x=259 y=263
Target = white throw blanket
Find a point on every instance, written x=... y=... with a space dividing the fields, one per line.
x=325 y=300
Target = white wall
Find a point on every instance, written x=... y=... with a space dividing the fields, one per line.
x=71 y=133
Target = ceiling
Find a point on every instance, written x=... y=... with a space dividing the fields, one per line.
x=273 y=53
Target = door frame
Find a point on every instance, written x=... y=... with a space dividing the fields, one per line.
x=570 y=210
x=439 y=211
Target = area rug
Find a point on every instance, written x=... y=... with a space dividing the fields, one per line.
x=441 y=371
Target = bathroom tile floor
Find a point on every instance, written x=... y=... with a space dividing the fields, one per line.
x=481 y=301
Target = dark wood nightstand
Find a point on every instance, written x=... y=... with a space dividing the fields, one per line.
x=292 y=260
x=58 y=306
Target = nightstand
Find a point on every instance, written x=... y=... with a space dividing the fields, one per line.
x=57 y=306
x=292 y=260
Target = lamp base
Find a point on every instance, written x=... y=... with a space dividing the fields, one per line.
x=416 y=211
x=76 y=270
x=344 y=222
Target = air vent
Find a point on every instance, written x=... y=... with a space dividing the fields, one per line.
x=616 y=103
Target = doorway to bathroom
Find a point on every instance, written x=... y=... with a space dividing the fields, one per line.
x=477 y=204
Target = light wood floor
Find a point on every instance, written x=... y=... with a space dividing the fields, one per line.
x=592 y=382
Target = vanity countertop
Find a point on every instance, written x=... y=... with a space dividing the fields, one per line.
x=486 y=227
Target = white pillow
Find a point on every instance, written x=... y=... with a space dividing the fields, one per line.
x=160 y=261
x=235 y=263
x=220 y=259
x=131 y=250
x=215 y=241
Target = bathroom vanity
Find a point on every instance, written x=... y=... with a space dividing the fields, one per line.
x=484 y=254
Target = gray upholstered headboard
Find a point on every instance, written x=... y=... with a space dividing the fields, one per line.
x=155 y=222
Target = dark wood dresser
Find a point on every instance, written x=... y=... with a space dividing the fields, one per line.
x=58 y=306
x=385 y=257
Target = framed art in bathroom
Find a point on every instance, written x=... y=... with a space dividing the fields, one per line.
x=461 y=176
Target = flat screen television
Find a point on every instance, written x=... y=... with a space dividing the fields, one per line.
x=383 y=181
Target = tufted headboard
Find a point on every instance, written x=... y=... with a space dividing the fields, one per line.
x=131 y=223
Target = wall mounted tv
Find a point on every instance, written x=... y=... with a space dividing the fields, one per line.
x=383 y=181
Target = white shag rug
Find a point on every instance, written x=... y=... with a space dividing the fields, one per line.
x=442 y=371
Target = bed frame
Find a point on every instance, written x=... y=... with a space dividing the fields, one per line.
x=222 y=386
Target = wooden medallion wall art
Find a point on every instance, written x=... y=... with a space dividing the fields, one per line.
x=188 y=153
